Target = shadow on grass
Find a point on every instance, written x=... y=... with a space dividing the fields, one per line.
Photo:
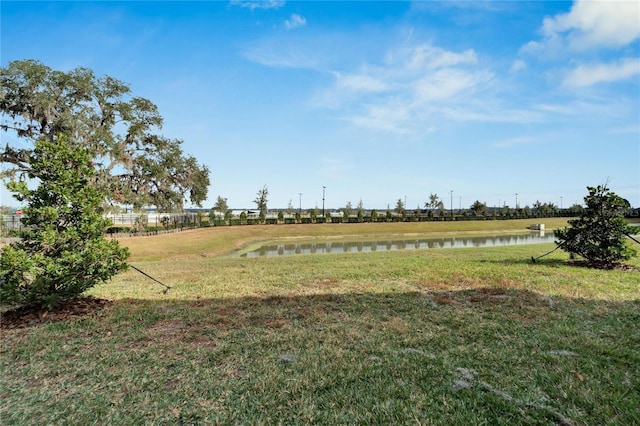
x=487 y=355
x=249 y=310
x=551 y=262
x=557 y=263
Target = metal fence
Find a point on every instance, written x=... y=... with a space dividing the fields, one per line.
x=10 y=221
x=126 y=223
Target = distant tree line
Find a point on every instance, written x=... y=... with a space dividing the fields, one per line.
x=432 y=210
x=221 y=214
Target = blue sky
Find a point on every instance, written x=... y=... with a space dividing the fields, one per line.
x=376 y=101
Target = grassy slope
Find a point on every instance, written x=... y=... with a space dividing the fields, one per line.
x=456 y=336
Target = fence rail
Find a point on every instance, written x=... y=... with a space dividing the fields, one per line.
x=129 y=223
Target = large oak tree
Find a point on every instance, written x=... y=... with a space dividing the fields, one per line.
x=133 y=163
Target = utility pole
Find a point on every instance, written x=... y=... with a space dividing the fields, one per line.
x=300 y=203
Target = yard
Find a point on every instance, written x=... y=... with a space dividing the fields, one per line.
x=451 y=336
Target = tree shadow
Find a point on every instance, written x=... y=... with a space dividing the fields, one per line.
x=550 y=262
x=356 y=353
x=556 y=263
x=224 y=310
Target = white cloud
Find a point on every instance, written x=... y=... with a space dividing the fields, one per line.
x=392 y=118
x=417 y=89
x=427 y=56
x=448 y=84
x=484 y=112
x=588 y=26
x=557 y=109
x=588 y=75
x=602 y=106
x=592 y=25
x=518 y=65
x=295 y=21
x=275 y=53
x=259 y=4
x=409 y=90
x=359 y=82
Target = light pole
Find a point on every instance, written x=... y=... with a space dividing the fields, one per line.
x=452 y=204
x=300 y=203
x=323 y=189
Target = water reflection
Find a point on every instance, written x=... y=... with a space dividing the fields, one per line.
x=408 y=244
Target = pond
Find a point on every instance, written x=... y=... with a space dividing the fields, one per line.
x=287 y=249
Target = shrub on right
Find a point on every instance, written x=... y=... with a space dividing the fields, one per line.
x=599 y=235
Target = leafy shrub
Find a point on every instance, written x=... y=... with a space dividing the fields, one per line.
x=63 y=251
x=599 y=234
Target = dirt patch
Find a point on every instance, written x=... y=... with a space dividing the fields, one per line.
x=446 y=300
x=29 y=316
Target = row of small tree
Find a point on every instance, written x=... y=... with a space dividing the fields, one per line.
x=434 y=208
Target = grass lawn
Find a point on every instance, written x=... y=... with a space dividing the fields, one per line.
x=452 y=336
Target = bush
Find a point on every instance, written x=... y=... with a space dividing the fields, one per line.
x=599 y=234
x=119 y=230
x=63 y=251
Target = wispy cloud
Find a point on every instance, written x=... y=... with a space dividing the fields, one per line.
x=305 y=51
x=413 y=87
x=557 y=108
x=480 y=111
x=295 y=21
x=410 y=89
x=387 y=117
x=518 y=65
x=259 y=4
x=426 y=56
x=588 y=75
x=603 y=106
x=276 y=53
x=361 y=82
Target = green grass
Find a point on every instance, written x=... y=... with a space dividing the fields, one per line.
x=225 y=239
x=452 y=336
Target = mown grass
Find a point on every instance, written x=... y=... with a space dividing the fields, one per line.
x=225 y=239
x=452 y=336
